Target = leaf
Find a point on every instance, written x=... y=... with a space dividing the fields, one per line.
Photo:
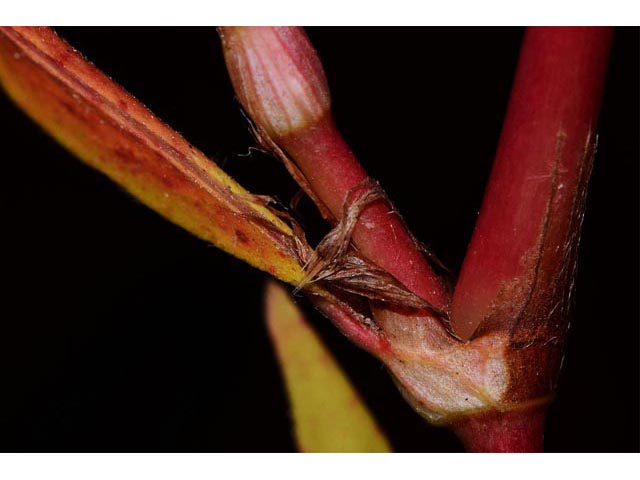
x=111 y=131
x=328 y=413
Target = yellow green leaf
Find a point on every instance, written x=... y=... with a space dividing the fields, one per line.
x=328 y=413
x=110 y=130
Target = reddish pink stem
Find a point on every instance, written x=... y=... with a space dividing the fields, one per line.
x=501 y=432
x=381 y=235
x=518 y=270
x=280 y=81
x=527 y=214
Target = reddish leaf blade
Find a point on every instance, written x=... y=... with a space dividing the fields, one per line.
x=328 y=414
x=111 y=131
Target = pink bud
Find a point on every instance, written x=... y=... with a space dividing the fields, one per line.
x=277 y=76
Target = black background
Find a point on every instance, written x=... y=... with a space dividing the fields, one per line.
x=121 y=332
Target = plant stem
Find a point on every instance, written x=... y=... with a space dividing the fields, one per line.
x=501 y=432
x=513 y=295
x=280 y=81
x=526 y=235
x=381 y=235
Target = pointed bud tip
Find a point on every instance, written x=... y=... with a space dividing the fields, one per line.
x=277 y=76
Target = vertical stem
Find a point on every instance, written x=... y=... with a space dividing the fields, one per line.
x=502 y=432
x=530 y=213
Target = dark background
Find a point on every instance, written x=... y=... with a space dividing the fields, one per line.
x=121 y=332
